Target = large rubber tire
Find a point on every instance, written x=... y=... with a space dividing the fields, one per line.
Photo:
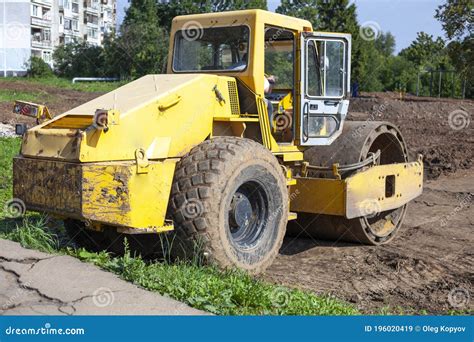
x=354 y=145
x=229 y=204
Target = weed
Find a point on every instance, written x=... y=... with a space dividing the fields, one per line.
x=32 y=233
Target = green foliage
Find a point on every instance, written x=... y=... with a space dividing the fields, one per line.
x=457 y=18
x=461 y=54
x=426 y=52
x=385 y=44
x=32 y=233
x=79 y=60
x=38 y=68
x=168 y=10
x=398 y=74
x=303 y=9
x=334 y=16
x=141 y=46
x=8 y=148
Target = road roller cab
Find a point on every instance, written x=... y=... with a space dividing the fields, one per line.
x=207 y=155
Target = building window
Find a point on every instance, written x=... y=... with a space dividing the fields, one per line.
x=67 y=24
x=35 y=11
x=61 y=20
x=75 y=25
x=47 y=56
x=75 y=8
x=92 y=33
x=92 y=19
x=47 y=35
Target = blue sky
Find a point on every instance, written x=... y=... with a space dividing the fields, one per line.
x=404 y=18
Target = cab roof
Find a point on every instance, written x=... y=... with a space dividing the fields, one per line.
x=249 y=17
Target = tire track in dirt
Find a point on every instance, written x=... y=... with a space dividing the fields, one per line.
x=431 y=257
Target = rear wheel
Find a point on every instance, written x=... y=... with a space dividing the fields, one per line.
x=354 y=145
x=229 y=203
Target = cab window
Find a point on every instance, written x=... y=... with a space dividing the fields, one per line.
x=326 y=68
x=211 y=49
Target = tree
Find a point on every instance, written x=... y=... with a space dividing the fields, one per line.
x=426 y=52
x=141 y=46
x=79 y=59
x=399 y=73
x=334 y=16
x=168 y=10
x=38 y=68
x=385 y=44
x=456 y=16
x=303 y=9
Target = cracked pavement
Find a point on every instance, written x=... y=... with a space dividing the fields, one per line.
x=36 y=283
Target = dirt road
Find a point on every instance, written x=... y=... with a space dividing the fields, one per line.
x=431 y=257
x=429 y=266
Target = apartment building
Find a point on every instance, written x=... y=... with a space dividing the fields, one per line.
x=36 y=27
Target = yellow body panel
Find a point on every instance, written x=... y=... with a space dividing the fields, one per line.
x=150 y=117
x=108 y=193
x=359 y=194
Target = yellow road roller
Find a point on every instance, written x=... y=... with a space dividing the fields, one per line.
x=243 y=136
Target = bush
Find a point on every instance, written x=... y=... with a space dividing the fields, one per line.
x=38 y=68
x=79 y=60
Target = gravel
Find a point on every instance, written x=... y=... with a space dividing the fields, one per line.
x=7 y=131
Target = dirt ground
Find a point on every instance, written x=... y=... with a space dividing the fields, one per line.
x=429 y=266
x=58 y=100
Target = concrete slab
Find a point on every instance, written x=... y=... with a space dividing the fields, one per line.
x=35 y=283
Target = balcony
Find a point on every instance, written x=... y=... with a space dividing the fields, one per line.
x=92 y=24
x=91 y=7
x=41 y=22
x=39 y=43
x=47 y=3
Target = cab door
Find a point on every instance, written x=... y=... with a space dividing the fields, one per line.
x=324 y=87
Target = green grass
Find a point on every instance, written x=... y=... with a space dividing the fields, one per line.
x=8 y=148
x=221 y=292
x=207 y=288
x=32 y=233
x=10 y=95
x=67 y=84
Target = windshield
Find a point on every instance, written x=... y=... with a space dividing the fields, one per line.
x=211 y=49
